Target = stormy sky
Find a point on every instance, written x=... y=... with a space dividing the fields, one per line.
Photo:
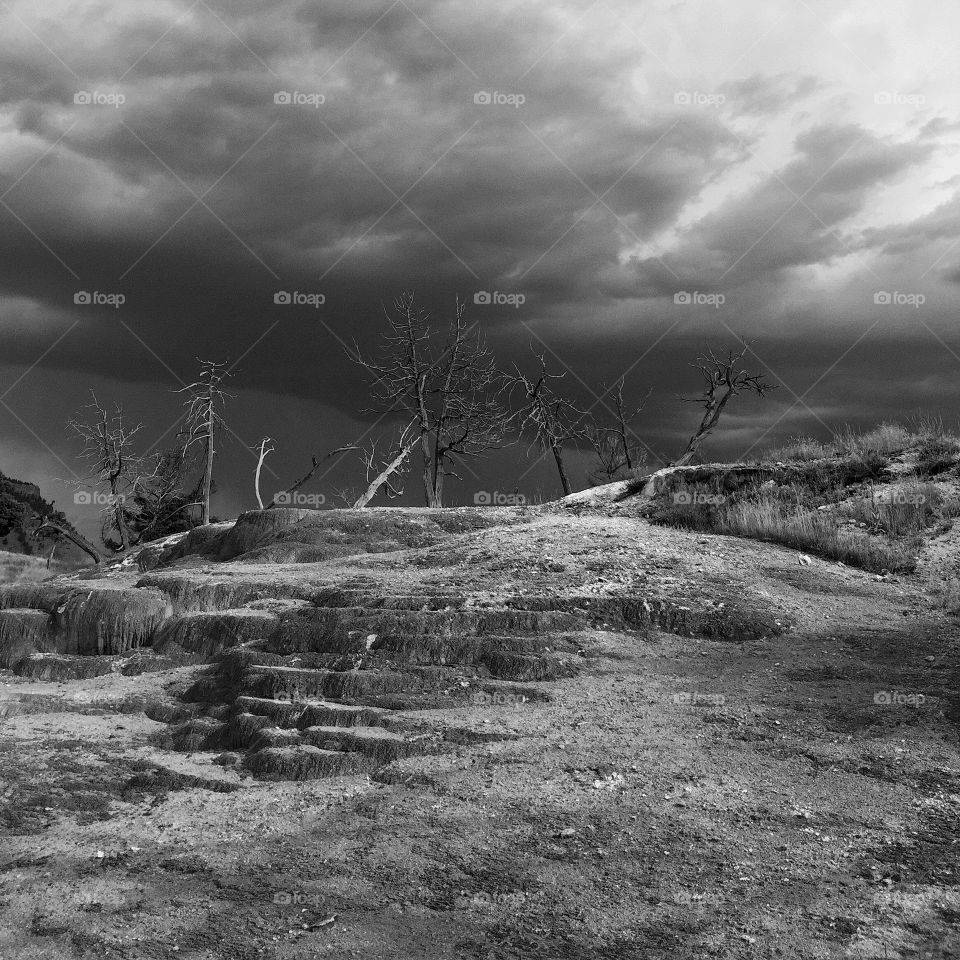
x=640 y=180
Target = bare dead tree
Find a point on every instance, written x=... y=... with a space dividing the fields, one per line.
x=619 y=452
x=107 y=450
x=447 y=383
x=204 y=419
x=315 y=464
x=264 y=452
x=550 y=419
x=382 y=473
x=161 y=499
x=724 y=379
x=344 y=495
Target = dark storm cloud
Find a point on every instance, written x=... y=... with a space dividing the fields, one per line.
x=308 y=198
x=598 y=198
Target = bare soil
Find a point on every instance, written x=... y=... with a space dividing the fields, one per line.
x=738 y=755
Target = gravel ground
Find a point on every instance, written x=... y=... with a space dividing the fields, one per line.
x=794 y=795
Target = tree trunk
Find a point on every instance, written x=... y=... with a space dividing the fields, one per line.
x=384 y=475
x=709 y=421
x=429 y=491
x=626 y=450
x=208 y=474
x=118 y=516
x=256 y=476
x=558 y=456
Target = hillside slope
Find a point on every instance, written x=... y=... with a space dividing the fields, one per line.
x=21 y=504
x=545 y=733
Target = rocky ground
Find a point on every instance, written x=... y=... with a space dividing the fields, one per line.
x=522 y=733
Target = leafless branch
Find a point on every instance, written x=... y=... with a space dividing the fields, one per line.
x=315 y=465
x=550 y=419
x=447 y=383
x=724 y=378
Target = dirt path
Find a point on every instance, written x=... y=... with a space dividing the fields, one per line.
x=796 y=796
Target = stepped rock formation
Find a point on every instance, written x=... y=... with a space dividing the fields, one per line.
x=322 y=641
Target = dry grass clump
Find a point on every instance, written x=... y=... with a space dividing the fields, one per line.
x=793 y=525
x=903 y=510
x=23 y=568
x=936 y=449
x=887 y=439
x=937 y=454
x=789 y=516
x=799 y=449
x=948 y=596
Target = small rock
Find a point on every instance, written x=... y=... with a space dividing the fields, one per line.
x=804 y=560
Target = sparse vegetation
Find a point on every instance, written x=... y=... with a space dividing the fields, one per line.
x=799 y=449
x=948 y=596
x=22 y=568
x=924 y=438
x=937 y=454
x=779 y=515
x=886 y=439
x=901 y=510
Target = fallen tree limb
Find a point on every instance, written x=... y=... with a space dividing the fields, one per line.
x=75 y=538
x=381 y=478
